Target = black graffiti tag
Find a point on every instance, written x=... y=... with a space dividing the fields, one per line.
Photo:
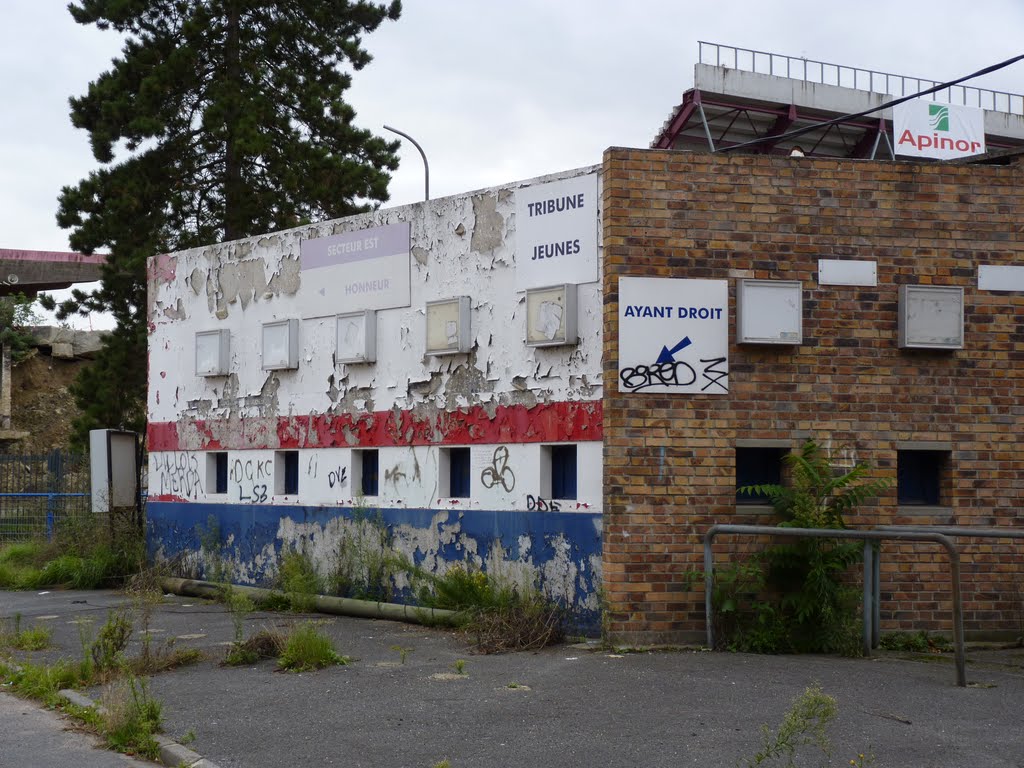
x=338 y=476
x=669 y=374
x=499 y=472
x=178 y=474
x=537 y=504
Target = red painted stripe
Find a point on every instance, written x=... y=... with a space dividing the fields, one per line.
x=546 y=423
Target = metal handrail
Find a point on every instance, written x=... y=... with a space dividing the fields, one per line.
x=946 y=530
x=865 y=536
x=875 y=81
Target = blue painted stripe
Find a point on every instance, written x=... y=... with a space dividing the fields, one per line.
x=563 y=548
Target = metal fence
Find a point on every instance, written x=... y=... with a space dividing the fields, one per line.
x=40 y=492
x=809 y=70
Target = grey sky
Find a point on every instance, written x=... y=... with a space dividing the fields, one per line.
x=498 y=91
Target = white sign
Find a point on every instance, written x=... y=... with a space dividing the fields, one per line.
x=940 y=131
x=556 y=233
x=367 y=269
x=673 y=336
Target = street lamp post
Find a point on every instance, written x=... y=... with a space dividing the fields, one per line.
x=426 y=167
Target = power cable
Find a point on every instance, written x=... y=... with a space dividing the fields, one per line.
x=817 y=126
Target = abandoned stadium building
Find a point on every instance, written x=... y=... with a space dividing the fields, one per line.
x=524 y=416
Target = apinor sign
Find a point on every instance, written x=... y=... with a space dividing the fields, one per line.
x=939 y=131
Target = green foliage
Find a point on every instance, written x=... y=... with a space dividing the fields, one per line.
x=210 y=548
x=297 y=577
x=83 y=555
x=365 y=562
x=815 y=610
x=805 y=724
x=107 y=651
x=218 y=121
x=914 y=642
x=29 y=639
x=462 y=587
x=240 y=607
x=265 y=644
x=308 y=648
x=43 y=681
x=132 y=717
x=817 y=495
x=16 y=318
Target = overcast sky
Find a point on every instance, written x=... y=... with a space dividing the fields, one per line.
x=499 y=91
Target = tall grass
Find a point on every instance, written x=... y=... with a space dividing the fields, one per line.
x=84 y=555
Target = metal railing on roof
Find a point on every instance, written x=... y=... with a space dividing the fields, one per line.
x=812 y=71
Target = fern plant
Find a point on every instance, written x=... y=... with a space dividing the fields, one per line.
x=808 y=573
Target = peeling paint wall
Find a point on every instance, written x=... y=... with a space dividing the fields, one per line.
x=503 y=399
x=562 y=554
x=463 y=245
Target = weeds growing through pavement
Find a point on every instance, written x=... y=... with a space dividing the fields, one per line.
x=805 y=724
x=264 y=644
x=132 y=717
x=29 y=639
x=308 y=648
x=460 y=667
x=403 y=653
x=107 y=650
x=915 y=642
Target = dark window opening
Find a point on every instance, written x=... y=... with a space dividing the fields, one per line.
x=919 y=477
x=458 y=472
x=286 y=477
x=758 y=466
x=220 y=483
x=563 y=471
x=369 y=472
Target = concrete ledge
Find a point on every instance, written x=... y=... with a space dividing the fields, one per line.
x=172 y=754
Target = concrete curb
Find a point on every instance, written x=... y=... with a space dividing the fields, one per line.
x=172 y=754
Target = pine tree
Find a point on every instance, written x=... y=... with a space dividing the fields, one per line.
x=221 y=119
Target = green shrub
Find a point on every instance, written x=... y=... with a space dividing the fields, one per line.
x=813 y=608
x=107 y=651
x=308 y=648
x=298 y=579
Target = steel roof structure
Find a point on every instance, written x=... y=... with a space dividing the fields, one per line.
x=740 y=95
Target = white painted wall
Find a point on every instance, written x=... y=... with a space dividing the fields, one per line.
x=461 y=245
x=409 y=478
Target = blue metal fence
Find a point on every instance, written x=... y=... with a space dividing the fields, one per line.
x=40 y=492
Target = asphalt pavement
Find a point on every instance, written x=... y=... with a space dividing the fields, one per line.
x=403 y=702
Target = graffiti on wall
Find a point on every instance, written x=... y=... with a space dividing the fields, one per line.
x=498 y=472
x=538 y=504
x=178 y=474
x=253 y=478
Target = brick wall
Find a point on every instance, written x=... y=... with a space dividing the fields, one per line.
x=670 y=459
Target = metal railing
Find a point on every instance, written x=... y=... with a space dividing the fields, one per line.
x=40 y=491
x=951 y=531
x=867 y=537
x=813 y=71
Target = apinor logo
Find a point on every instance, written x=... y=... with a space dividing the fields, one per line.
x=938 y=117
